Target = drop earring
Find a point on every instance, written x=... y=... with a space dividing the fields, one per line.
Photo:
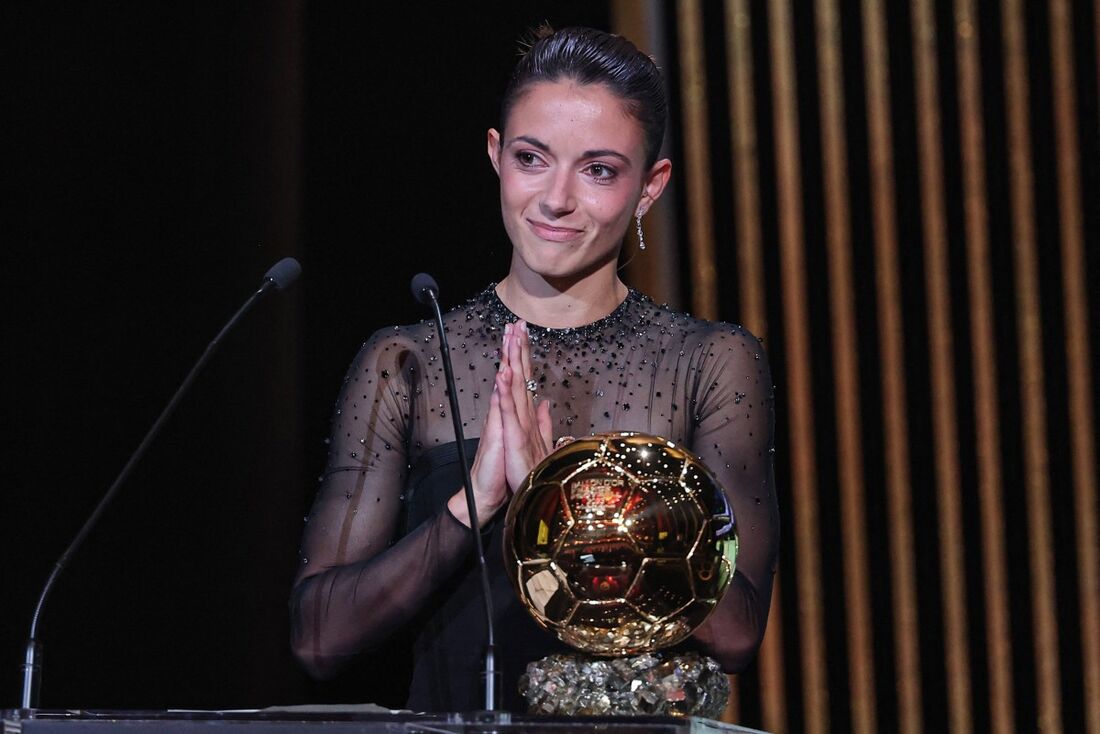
x=641 y=237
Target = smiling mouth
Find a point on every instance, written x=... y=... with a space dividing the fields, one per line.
x=554 y=234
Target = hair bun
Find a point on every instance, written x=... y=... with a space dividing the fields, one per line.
x=532 y=36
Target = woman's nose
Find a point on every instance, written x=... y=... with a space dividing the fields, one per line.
x=557 y=199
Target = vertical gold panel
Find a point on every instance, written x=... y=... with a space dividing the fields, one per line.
x=750 y=281
x=693 y=84
x=797 y=361
x=949 y=490
x=773 y=696
x=1032 y=395
x=857 y=593
x=732 y=713
x=888 y=289
x=987 y=413
x=746 y=167
x=656 y=270
x=1082 y=429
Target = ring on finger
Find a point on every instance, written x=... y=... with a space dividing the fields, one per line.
x=532 y=385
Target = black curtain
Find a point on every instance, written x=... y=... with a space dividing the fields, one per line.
x=157 y=160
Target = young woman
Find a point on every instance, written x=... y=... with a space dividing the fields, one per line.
x=559 y=347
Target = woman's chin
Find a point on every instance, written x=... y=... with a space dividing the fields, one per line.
x=564 y=267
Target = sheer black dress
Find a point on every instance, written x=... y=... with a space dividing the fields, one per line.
x=381 y=552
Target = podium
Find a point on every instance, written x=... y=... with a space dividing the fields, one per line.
x=308 y=720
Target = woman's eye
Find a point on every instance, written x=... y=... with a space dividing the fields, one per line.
x=602 y=172
x=526 y=159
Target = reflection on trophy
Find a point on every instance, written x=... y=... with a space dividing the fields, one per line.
x=621 y=544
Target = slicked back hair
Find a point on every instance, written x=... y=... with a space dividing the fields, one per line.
x=590 y=56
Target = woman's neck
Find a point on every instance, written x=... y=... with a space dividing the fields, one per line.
x=561 y=305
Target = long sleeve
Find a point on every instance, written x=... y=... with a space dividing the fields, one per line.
x=733 y=435
x=642 y=368
x=358 y=582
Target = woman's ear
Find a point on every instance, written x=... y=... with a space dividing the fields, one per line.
x=653 y=185
x=493 y=147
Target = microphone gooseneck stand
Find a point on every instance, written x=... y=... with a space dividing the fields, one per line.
x=281 y=275
x=426 y=291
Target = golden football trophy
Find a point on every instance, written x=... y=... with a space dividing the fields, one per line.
x=621 y=544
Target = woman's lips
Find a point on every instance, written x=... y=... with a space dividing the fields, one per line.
x=554 y=234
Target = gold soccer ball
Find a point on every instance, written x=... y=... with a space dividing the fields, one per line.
x=620 y=543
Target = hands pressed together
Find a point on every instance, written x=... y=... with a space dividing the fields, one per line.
x=516 y=436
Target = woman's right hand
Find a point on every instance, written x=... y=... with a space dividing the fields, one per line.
x=528 y=431
x=487 y=474
x=516 y=436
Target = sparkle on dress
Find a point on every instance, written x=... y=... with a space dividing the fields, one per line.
x=643 y=367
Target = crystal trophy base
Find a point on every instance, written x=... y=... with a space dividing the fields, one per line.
x=657 y=683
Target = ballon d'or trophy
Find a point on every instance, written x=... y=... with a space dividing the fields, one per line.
x=621 y=544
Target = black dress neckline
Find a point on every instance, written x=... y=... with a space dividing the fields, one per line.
x=500 y=314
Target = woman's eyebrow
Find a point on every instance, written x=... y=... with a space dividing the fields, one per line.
x=606 y=152
x=597 y=153
x=531 y=141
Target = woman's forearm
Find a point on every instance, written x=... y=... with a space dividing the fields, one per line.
x=343 y=610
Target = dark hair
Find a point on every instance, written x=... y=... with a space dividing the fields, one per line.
x=589 y=56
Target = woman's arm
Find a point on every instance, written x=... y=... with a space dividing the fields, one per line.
x=734 y=438
x=355 y=585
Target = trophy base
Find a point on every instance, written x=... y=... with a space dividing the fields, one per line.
x=656 y=683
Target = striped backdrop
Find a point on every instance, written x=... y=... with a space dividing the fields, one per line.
x=903 y=199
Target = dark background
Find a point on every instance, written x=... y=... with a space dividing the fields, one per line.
x=157 y=160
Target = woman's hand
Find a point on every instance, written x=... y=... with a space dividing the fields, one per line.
x=487 y=473
x=528 y=432
x=516 y=435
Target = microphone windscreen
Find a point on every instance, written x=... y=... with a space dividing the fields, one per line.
x=284 y=273
x=421 y=284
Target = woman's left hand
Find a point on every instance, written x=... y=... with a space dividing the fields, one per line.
x=528 y=431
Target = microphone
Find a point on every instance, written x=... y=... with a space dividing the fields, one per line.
x=426 y=291
x=281 y=275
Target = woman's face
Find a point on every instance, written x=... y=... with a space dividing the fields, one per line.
x=572 y=177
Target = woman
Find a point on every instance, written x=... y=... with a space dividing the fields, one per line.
x=388 y=543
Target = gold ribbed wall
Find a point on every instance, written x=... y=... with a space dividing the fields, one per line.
x=901 y=198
